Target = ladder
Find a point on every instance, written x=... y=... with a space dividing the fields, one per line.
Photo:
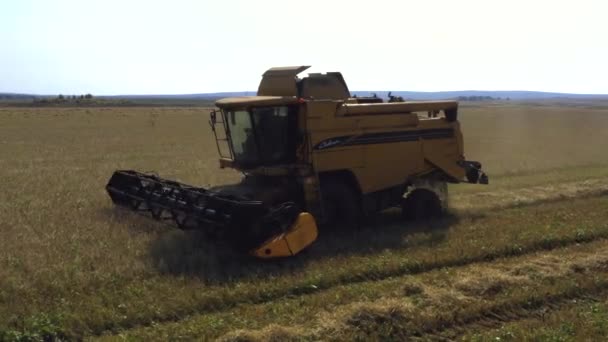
x=222 y=136
x=313 y=198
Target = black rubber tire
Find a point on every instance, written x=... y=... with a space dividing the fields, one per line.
x=341 y=205
x=421 y=204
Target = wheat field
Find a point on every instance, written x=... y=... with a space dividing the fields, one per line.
x=74 y=267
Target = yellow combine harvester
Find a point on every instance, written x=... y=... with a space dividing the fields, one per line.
x=311 y=153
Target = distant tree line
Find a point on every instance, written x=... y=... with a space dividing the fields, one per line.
x=65 y=99
x=85 y=100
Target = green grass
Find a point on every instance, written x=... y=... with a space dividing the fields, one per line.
x=546 y=177
x=73 y=265
x=125 y=302
x=583 y=319
x=431 y=302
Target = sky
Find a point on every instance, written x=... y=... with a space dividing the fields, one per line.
x=115 y=47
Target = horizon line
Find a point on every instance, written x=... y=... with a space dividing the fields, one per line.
x=352 y=91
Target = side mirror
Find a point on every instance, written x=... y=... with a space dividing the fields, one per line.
x=451 y=114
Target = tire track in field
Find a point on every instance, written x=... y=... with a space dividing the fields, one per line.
x=504 y=199
x=483 y=295
x=496 y=317
x=356 y=279
x=528 y=307
x=567 y=191
x=376 y=275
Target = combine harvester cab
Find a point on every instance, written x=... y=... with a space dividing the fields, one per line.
x=310 y=153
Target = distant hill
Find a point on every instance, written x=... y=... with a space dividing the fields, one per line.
x=14 y=96
x=411 y=95
x=204 y=96
x=513 y=95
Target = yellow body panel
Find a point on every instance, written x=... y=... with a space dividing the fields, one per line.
x=299 y=236
x=380 y=165
x=394 y=169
